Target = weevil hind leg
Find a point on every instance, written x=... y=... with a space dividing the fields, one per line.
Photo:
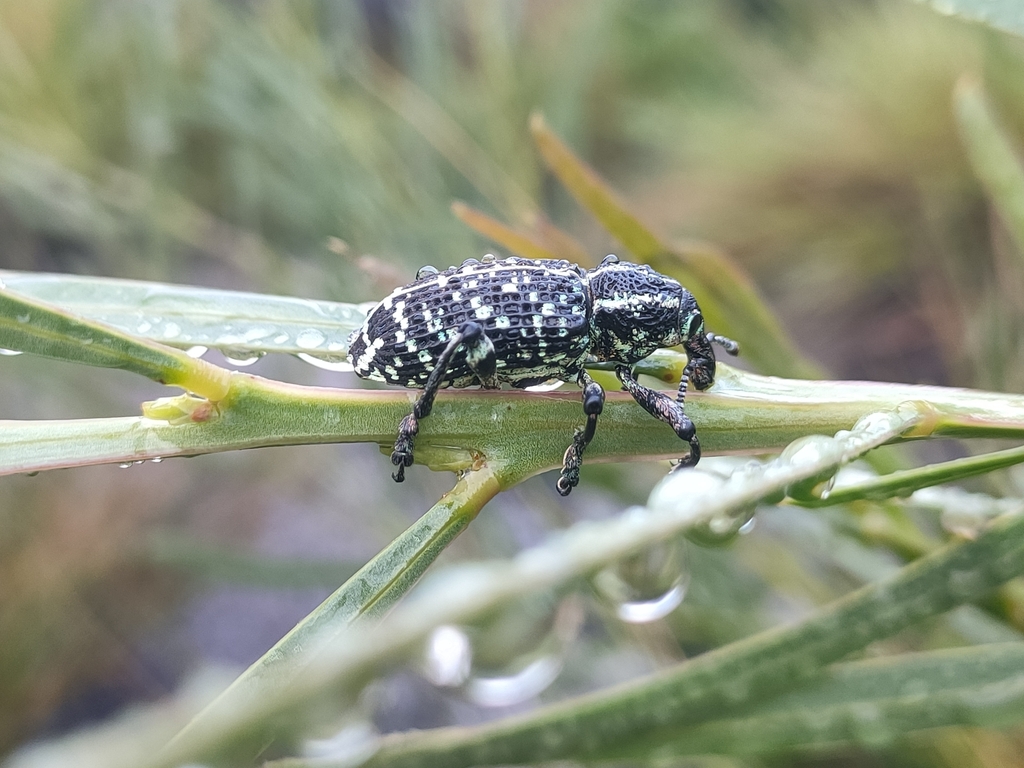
x=593 y=404
x=664 y=408
x=480 y=358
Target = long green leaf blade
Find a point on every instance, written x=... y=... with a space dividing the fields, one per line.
x=31 y=325
x=185 y=316
x=871 y=703
x=995 y=160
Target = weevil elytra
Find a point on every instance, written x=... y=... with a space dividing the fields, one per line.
x=525 y=321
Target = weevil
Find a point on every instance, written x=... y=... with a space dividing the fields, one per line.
x=523 y=322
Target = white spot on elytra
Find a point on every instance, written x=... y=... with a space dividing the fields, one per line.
x=484 y=312
x=547 y=309
x=502 y=321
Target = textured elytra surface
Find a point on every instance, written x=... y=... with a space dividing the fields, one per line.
x=535 y=313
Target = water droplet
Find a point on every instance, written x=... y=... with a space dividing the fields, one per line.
x=487 y=258
x=256 y=334
x=157 y=459
x=171 y=330
x=10 y=352
x=281 y=338
x=877 y=423
x=24 y=318
x=197 y=351
x=506 y=690
x=327 y=362
x=241 y=357
x=720 y=529
x=546 y=386
x=310 y=338
x=647 y=586
x=805 y=452
x=679 y=491
x=744 y=529
x=143 y=327
x=126 y=464
x=448 y=657
x=508 y=657
x=426 y=271
x=810 y=449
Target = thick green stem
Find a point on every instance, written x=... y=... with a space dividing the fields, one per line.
x=524 y=431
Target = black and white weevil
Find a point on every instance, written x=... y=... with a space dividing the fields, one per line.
x=525 y=321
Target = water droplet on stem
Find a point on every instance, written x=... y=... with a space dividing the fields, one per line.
x=647 y=586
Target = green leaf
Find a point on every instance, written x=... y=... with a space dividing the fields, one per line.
x=996 y=162
x=871 y=703
x=1006 y=15
x=31 y=325
x=905 y=482
x=185 y=316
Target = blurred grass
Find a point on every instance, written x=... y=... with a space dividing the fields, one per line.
x=223 y=143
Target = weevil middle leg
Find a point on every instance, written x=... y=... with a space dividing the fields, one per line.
x=593 y=404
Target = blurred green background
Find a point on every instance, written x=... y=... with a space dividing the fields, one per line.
x=313 y=148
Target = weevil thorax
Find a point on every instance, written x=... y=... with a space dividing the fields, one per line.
x=636 y=311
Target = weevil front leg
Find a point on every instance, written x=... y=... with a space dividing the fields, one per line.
x=664 y=408
x=593 y=404
x=480 y=358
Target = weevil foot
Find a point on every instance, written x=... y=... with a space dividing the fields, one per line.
x=693 y=458
x=571 y=463
x=402 y=456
